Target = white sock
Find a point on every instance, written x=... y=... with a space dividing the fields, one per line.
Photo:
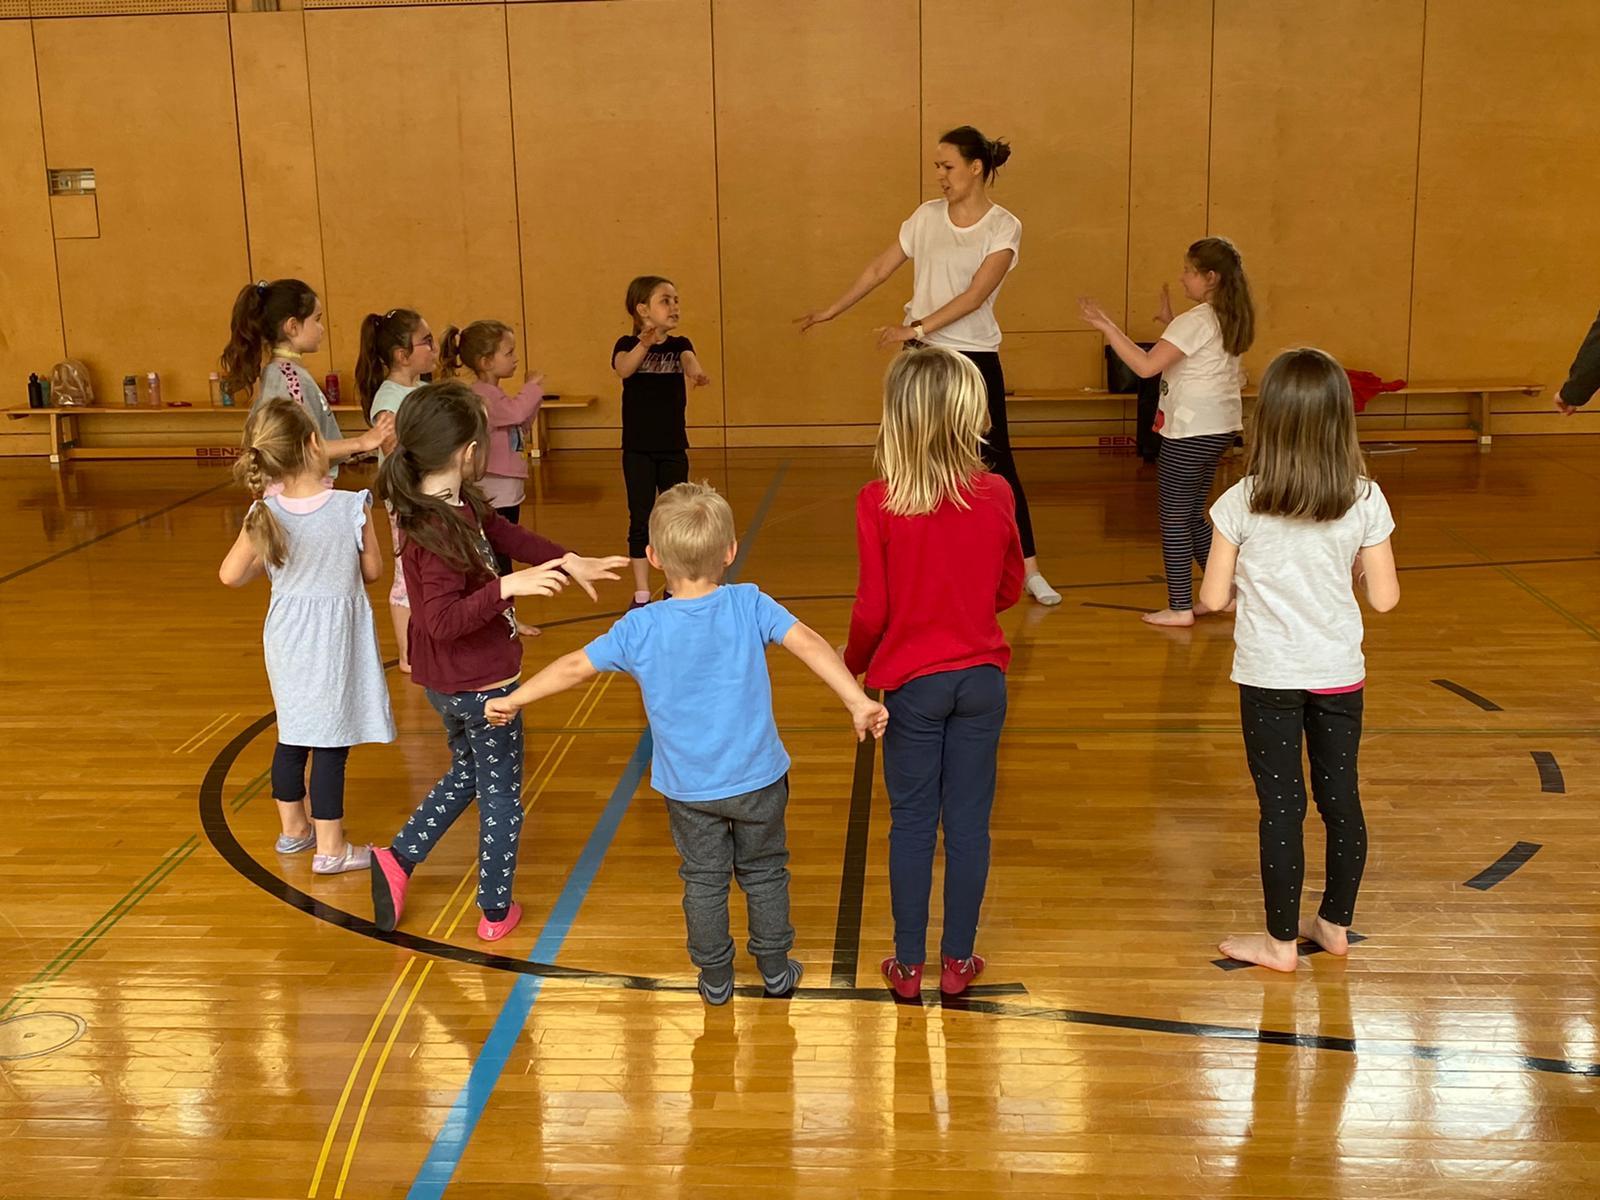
x=1041 y=591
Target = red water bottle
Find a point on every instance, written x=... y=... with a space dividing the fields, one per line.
x=330 y=388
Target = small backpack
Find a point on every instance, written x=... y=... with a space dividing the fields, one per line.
x=69 y=384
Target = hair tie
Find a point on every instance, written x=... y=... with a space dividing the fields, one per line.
x=261 y=287
x=389 y=316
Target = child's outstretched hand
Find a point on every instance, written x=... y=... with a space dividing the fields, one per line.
x=1164 y=313
x=1093 y=314
x=868 y=716
x=536 y=378
x=543 y=580
x=697 y=376
x=500 y=710
x=650 y=333
x=585 y=572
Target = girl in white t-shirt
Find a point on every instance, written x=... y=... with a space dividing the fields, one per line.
x=1288 y=534
x=963 y=246
x=1198 y=361
x=396 y=350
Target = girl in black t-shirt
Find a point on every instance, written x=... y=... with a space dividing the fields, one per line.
x=656 y=367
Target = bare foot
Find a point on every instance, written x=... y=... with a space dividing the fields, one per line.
x=406 y=667
x=1335 y=939
x=528 y=630
x=1261 y=949
x=1176 y=618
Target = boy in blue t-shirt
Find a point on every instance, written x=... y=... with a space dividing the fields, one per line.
x=700 y=662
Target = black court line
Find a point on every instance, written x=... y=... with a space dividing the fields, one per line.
x=853 y=877
x=976 y=1000
x=1502 y=868
x=1303 y=949
x=1118 y=607
x=100 y=537
x=1550 y=777
x=1467 y=694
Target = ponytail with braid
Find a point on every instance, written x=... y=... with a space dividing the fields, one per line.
x=280 y=442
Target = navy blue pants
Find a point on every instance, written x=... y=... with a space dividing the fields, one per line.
x=939 y=767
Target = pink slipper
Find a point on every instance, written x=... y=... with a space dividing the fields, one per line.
x=493 y=931
x=389 y=883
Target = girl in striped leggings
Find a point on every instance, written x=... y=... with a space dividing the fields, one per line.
x=1198 y=361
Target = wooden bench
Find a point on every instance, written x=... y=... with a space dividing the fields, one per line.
x=66 y=445
x=1480 y=412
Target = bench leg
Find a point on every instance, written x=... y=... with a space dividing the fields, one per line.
x=540 y=436
x=1480 y=415
x=56 y=421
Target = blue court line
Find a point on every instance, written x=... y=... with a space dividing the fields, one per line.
x=439 y=1167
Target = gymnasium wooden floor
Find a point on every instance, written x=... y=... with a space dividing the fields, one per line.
x=187 y=1015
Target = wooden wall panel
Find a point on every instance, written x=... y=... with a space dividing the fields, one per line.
x=616 y=177
x=278 y=154
x=1508 y=220
x=1068 y=177
x=1313 y=168
x=1167 y=179
x=30 y=313
x=818 y=161
x=412 y=111
x=148 y=103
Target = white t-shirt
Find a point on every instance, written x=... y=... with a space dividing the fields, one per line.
x=944 y=261
x=1298 y=624
x=1200 y=392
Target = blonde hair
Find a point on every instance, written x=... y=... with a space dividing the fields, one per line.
x=935 y=413
x=691 y=530
x=1304 y=453
x=278 y=441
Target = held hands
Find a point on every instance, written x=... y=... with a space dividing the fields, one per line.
x=543 y=580
x=868 y=716
x=1164 y=313
x=893 y=335
x=501 y=710
x=586 y=571
x=817 y=316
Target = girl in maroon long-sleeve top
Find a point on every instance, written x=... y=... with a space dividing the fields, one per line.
x=464 y=647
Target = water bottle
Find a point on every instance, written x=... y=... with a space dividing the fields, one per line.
x=35 y=392
x=130 y=391
x=214 y=387
x=152 y=383
x=330 y=388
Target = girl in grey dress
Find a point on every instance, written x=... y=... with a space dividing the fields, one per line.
x=317 y=546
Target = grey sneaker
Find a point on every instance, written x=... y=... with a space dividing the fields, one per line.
x=293 y=845
x=785 y=981
x=354 y=858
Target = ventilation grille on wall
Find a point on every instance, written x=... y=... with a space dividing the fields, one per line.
x=118 y=8
x=13 y=8
x=71 y=181
x=383 y=3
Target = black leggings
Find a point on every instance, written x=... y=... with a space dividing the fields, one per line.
x=997 y=453
x=512 y=513
x=1273 y=721
x=327 y=778
x=1183 y=480
x=647 y=475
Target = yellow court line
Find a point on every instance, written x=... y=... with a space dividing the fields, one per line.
x=366 y=1101
x=349 y=1083
x=211 y=733
x=193 y=738
x=578 y=719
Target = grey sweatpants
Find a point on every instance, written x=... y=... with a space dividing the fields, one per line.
x=742 y=836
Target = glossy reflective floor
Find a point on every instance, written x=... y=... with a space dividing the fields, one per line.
x=187 y=1014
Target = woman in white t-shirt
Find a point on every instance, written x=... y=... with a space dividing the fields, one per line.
x=962 y=247
x=1198 y=361
x=1289 y=534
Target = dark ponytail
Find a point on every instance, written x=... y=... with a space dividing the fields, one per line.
x=1236 y=312
x=974 y=147
x=469 y=348
x=382 y=334
x=433 y=424
x=259 y=314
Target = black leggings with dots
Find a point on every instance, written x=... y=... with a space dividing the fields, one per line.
x=1273 y=721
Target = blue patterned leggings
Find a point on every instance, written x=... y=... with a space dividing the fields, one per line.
x=486 y=764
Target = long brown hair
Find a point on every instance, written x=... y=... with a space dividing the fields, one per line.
x=1236 y=312
x=259 y=313
x=278 y=444
x=640 y=289
x=930 y=444
x=383 y=335
x=468 y=348
x=434 y=423
x=1304 y=456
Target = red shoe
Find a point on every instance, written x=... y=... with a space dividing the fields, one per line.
x=389 y=883
x=493 y=931
x=905 y=980
x=958 y=973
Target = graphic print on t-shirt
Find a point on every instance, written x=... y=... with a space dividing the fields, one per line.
x=654 y=397
x=659 y=363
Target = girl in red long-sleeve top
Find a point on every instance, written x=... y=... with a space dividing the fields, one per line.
x=464 y=647
x=940 y=557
